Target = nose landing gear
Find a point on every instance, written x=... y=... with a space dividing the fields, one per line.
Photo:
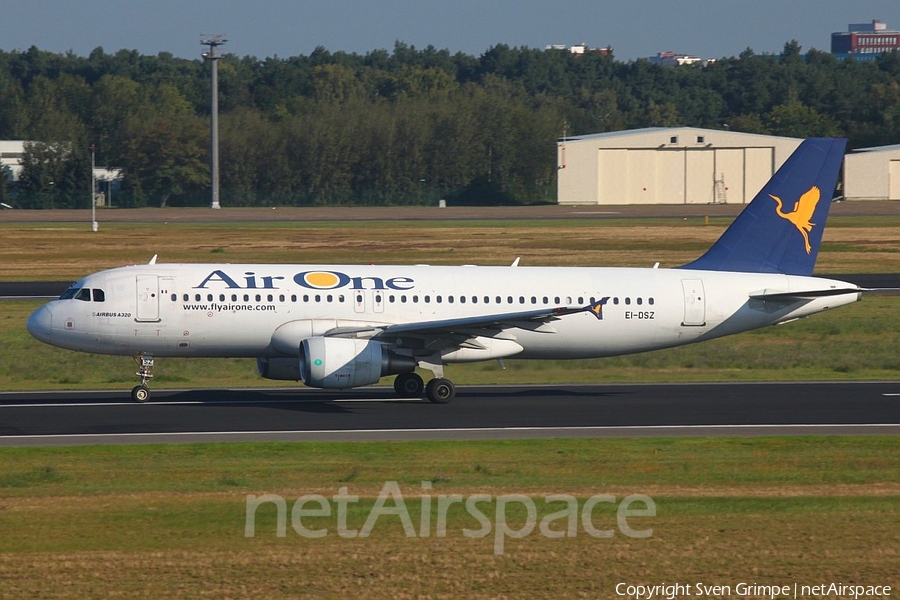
x=141 y=392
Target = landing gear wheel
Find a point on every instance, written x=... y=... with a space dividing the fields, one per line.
x=440 y=391
x=140 y=393
x=409 y=385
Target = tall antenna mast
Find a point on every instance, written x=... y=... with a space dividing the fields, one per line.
x=214 y=41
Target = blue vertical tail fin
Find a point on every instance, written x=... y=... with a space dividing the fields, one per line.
x=781 y=229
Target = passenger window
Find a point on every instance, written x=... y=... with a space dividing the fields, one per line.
x=234 y=297
x=640 y=301
x=650 y=301
x=209 y=297
x=627 y=301
x=196 y=297
x=221 y=297
x=174 y=297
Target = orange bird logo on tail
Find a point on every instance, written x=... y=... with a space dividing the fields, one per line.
x=802 y=213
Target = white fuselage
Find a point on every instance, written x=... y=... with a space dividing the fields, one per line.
x=203 y=310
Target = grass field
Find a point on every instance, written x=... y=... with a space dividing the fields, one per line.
x=169 y=521
x=51 y=251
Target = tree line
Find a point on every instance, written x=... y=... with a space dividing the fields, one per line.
x=409 y=126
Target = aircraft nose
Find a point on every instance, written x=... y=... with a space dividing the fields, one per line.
x=40 y=324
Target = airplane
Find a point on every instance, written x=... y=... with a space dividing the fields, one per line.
x=346 y=326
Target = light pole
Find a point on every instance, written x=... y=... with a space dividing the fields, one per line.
x=94 y=226
x=214 y=41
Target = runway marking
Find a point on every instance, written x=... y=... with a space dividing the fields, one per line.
x=446 y=430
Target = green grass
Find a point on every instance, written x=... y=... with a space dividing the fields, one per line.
x=169 y=520
x=521 y=464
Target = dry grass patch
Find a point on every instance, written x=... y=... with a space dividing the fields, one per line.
x=68 y=251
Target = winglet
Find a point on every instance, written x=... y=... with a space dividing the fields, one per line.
x=781 y=229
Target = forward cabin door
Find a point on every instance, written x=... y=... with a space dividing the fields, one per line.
x=147 y=299
x=694 y=303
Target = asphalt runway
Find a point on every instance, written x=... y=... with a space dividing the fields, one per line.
x=478 y=412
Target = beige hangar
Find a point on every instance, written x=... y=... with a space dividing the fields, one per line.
x=872 y=174
x=667 y=165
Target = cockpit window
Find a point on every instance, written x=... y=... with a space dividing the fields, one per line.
x=69 y=293
x=83 y=294
x=99 y=296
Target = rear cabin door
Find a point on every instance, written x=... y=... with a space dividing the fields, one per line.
x=694 y=303
x=147 y=298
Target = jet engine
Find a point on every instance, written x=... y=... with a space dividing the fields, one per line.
x=340 y=363
x=337 y=363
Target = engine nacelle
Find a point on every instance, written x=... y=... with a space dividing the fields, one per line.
x=341 y=363
x=282 y=369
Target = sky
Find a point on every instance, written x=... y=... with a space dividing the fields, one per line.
x=284 y=28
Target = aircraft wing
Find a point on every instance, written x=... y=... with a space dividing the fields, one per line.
x=535 y=320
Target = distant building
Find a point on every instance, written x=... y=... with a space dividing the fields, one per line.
x=579 y=49
x=667 y=165
x=677 y=60
x=864 y=41
x=11 y=154
x=107 y=179
x=872 y=174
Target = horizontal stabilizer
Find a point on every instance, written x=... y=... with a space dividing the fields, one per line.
x=799 y=296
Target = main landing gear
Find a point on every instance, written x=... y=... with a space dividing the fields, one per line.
x=141 y=392
x=411 y=385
